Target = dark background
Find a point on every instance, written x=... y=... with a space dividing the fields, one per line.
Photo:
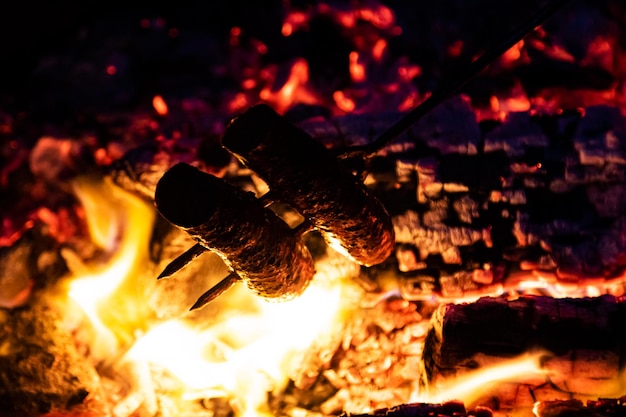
x=54 y=54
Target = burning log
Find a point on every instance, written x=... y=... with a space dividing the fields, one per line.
x=303 y=173
x=260 y=248
x=575 y=408
x=582 y=344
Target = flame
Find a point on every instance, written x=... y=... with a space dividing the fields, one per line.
x=247 y=351
x=471 y=386
x=119 y=223
x=293 y=91
x=246 y=355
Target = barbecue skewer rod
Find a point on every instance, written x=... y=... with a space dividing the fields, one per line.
x=182 y=260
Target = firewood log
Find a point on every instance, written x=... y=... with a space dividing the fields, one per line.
x=582 y=341
x=447 y=409
x=558 y=408
x=576 y=408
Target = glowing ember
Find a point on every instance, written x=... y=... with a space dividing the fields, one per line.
x=343 y=102
x=379 y=49
x=159 y=105
x=357 y=69
x=243 y=356
x=293 y=91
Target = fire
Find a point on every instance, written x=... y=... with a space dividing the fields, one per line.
x=293 y=91
x=119 y=224
x=245 y=356
x=469 y=388
x=241 y=356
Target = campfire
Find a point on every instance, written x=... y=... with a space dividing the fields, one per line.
x=318 y=209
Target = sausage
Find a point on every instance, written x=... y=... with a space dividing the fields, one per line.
x=257 y=245
x=304 y=174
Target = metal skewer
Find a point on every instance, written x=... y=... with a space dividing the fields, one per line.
x=182 y=260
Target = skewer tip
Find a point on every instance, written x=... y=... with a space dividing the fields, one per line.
x=182 y=261
x=215 y=291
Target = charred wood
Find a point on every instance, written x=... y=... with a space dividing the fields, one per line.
x=447 y=409
x=576 y=408
x=584 y=350
x=536 y=193
x=557 y=408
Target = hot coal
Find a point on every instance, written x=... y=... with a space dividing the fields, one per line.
x=41 y=370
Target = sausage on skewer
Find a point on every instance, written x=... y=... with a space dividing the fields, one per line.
x=257 y=245
x=304 y=174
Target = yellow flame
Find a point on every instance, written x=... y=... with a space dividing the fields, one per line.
x=469 y=388
x=120 y=224
x=245 y=356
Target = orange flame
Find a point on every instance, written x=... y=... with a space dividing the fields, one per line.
x=292 y=91
x=242 y=356
x=464 y=388
x=110 y=212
